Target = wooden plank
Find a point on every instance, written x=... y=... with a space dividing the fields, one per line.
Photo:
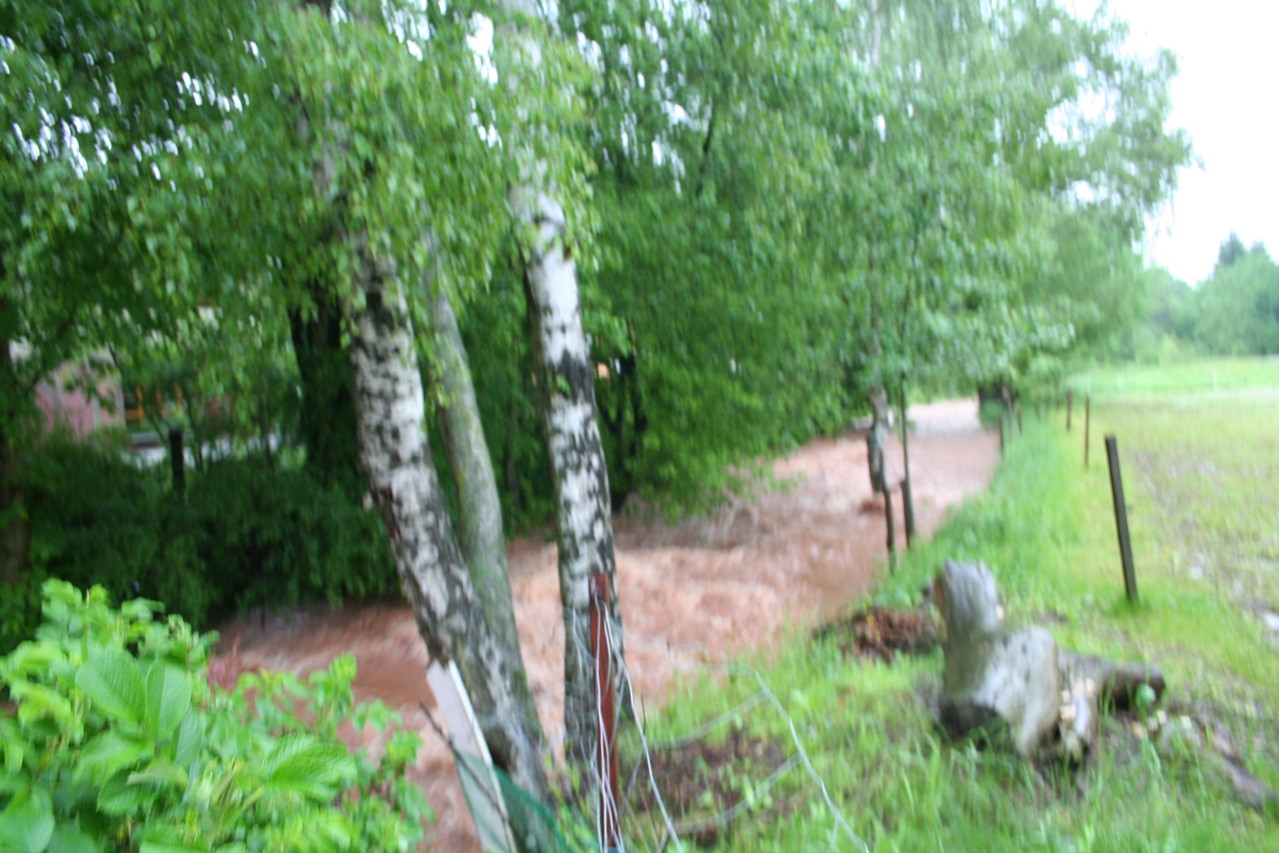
x=475 y=770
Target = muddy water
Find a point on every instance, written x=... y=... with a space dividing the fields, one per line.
x=707 y=589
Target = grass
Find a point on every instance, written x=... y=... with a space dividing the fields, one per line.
x=1200 y=467
x=1217 y=374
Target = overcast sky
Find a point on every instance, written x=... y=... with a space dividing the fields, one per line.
x=1225 y=96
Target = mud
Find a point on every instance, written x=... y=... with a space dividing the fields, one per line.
x=708 y=589
x=882 y=634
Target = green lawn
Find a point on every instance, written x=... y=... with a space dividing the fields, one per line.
x=1200 y=470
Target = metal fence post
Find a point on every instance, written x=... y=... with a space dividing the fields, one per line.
x=610 y=836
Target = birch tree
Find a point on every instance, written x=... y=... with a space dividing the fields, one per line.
x=365 y=135
x=584 y=527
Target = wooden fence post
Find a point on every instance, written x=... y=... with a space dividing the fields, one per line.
x=1121 y=518
x=1087 y=425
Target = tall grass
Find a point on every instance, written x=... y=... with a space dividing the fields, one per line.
x=1045 y=526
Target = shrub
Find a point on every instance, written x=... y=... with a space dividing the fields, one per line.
x=118 y=741
x=98 y=519
x=271 y=537
x=245 y=534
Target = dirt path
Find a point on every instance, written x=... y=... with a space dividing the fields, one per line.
x=717 y=586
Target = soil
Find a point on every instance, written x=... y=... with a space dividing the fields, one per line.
x=707 y=589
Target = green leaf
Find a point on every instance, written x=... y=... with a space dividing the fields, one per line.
x=108 y=754
x=190 y=739
x=168 y=698
x=165 y=839
x=36 y=701
x=69 y=839
x=27 y=824
x=118 y=797
x=161 y=772
x=303 y=764
x=13 y=755
x=111 y=680
x=31 y=659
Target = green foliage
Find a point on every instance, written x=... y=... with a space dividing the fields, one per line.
x=1236 y=312
x=245 y=534
x=270 y=537
x=118 y=741
x=98 y=519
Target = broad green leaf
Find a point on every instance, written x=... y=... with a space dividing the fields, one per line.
x=168 y=698
x=161 y=772
x=118 y=797
x=36 y=701
x=111 y=680
x=13 y=755
x=166 y=839
x=69 y=839
x=31 y=659
x=310 y=767
x=109 y=753
x=190 y=739
x=27 y=823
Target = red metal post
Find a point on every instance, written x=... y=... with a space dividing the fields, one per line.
x=607 y=755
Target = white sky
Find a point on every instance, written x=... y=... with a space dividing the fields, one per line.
x=1224 y=96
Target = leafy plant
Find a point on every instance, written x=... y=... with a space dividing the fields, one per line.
x=118 y=740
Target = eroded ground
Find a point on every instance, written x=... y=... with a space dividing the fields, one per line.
x=706 y=589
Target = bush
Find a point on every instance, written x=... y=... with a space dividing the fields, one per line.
x=271 y=537
x=245 y=534
x=118 y=741
x=98 y=519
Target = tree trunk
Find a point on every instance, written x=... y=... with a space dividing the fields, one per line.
x=908 y=500
x=993 y=674
x=584 y=523
x=566 y=377
x=327 y=421
x=479 y=526
x=390 y=408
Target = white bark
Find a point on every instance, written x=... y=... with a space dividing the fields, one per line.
x=584 y=523
x=585 y=530
x=402 y=479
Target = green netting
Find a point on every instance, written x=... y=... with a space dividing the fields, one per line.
x=533 y=825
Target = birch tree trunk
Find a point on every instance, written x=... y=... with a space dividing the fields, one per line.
x=584 y=523
x=390 y=410
x=567 y=380
x=480 y=532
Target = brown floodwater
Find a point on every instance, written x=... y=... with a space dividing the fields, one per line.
x=707 y=589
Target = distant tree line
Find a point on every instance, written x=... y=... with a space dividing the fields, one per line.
x=1233 y=312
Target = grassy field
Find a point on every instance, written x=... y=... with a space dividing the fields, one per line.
x=1201 y=468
